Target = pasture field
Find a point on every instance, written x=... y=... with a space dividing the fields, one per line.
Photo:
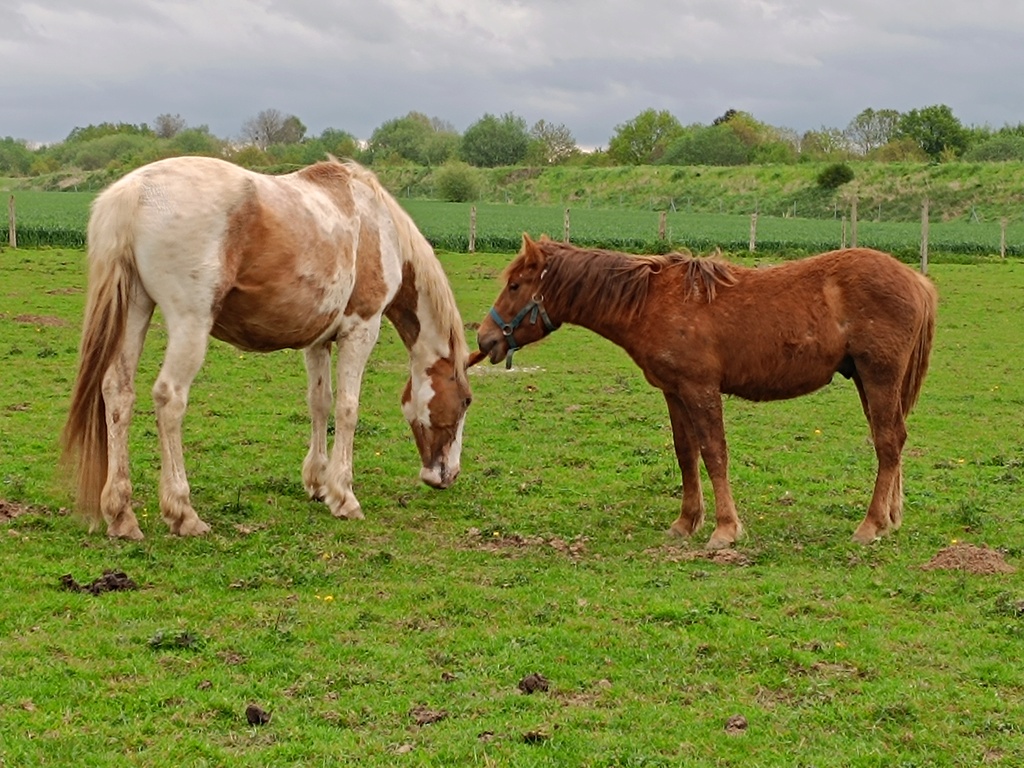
x=58 y=219
x=403 y=639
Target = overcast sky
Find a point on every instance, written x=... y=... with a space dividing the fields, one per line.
x=587 y=64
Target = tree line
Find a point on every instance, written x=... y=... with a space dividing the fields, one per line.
x=273 y=139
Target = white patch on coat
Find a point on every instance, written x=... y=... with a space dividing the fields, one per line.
x=417 y=408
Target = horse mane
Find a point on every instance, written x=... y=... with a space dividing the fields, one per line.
x=605 y=284
x=416 y=249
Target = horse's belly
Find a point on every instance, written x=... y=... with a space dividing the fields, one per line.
x=775 y=384
x=263 y=326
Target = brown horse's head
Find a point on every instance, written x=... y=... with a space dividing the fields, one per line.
x=518 y=316
x=434 y=403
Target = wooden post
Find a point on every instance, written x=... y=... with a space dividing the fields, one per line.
x=924 y=237
x=1002 y=238
x=565 y=227
x=472 y=229
x=843 y=243
x=661 y=225
x=12 y=234
x=853 y=223
x=753 y=231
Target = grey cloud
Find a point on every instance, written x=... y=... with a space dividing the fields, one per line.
x=352 y=64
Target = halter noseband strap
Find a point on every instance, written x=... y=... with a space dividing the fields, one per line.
x=534 y=308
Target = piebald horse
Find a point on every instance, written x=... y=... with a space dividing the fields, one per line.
x=304 y=261
x=701 y=327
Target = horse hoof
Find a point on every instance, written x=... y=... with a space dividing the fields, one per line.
x=868 y=534
x=348 y=511
x=193 y=527
x=865 y=538
x=131 y=533
x=718 y=542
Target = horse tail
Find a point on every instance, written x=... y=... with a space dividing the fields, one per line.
x=112 y=277
x=914 y=377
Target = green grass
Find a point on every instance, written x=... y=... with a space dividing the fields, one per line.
x=547 y=556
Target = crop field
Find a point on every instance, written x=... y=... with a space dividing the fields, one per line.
x=535 y=614
x=55 y=219
x=58 y=219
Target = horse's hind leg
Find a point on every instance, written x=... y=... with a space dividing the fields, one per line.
x=186 y=348
x=691 y=516
x=881 y=402
x=319 y=398
x=119 y=399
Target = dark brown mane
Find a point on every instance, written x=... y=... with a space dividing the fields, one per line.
x=602 y=281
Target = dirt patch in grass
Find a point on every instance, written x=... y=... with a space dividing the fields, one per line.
x=12 y=509
x=512 y=543
x=673 y=554
x=50 y=320
x=969 y=558
x=423 y=715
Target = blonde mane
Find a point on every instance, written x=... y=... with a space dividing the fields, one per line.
x=420 y=253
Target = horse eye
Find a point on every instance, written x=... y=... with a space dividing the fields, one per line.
x=513 y=286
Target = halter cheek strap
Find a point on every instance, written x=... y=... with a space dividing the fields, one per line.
x=534 y=308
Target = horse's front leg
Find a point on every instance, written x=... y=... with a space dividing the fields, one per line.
x=704 y=407
x=319 y=397
x=354 y=347
x=688 y=455
x=186 y=348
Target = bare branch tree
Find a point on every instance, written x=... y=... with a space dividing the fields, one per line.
x=167 y=126
x=872 y=129
x=555 y=142
x=272 y=126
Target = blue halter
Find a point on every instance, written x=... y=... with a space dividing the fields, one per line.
x=533 y=308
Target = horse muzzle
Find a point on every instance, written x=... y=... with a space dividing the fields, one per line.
x=439 y=477
x=495 y=351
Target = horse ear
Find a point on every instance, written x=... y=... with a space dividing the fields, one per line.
x=530 y=252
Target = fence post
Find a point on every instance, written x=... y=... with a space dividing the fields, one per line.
x=565 y=227
x=843 y=244
x=853 y=223
x=12 y=234
x=661 y=225
x=472 y=229
x=753 y=231
x=1002 y=238
x=924 y=237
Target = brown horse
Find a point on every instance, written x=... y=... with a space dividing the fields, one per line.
x=701 y=327
x=309 y=260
